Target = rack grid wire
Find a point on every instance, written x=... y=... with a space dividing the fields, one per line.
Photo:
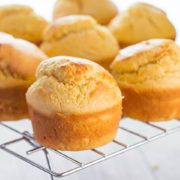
x=123 y=147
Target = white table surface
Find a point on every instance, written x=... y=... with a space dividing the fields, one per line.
x=158 y=160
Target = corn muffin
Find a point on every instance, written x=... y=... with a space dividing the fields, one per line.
x=141 y=22
x=80 y=36
x=102 y=10
x=22 y=22
x=148 y=74
x=18 y=62
x=75 y=104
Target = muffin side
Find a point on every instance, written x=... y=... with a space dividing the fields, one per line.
x=12 y=17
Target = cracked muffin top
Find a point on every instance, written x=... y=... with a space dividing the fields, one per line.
x=149 y=64
x=70 y=85
x=102 y=10
x=22 y=22
x=80 y=36
x=141 y=22
x=67 y=25
x=18 y=60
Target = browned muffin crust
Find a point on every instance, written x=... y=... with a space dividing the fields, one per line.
x=18 y=62
x=12 y=103
x=75 y=132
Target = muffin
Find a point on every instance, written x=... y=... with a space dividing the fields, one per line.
x=102 y=10
x=80 y=36
x=141 y=22
x=18 y=61
x=74 y=104
x=148 y=74
x=22 y=22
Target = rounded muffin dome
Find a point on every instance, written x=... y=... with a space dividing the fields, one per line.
x=102 y=10
x=141 y=22
x=80 y=36
x=22 y=22
x=149 y=64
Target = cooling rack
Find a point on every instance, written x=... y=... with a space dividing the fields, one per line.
x=131 y=134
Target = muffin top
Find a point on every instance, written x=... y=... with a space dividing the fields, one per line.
x=70 y=85
x=14 y=9
x=22 y=22
x=79 y=36
x=71 y=24
x=149 y=64
x=18 y=59
x=102 y=10
x=141 y=22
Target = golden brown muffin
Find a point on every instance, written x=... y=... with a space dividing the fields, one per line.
x=80 y=36
x=141 y=22
x=18 y=62
x=22 y=22
x=102 y=10
x=148 y=74
x=75 y=104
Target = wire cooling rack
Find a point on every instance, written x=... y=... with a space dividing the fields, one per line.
x=131 y=134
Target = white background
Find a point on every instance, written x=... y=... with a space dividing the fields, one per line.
x=156 y=161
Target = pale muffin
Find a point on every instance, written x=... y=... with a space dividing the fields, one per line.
x=75 y=104
x=149 y=77
x=18 y=62
x=80 y=36
x=22 y=22
x=141 y=22
x=102 y=10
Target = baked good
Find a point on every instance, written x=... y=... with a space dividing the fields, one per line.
x=141 y=22
x=22 y=22
x=102 y=10
x=80 y=36
x=18 y=61
x=75 y=104
x=149 y=77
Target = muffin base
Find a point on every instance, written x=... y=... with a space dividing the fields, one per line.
x=75 y=132
x=12 y=103
x=151 y=105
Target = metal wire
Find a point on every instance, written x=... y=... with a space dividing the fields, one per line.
x=101 y=156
